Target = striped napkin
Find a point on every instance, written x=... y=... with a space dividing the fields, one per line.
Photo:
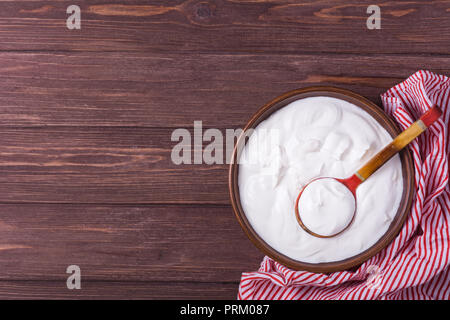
x=416 y=264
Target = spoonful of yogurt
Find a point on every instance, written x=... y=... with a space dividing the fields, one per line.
x=326 y=206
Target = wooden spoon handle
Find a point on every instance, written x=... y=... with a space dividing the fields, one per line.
x=401 y=141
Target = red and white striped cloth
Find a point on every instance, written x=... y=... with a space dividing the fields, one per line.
x=416 y=264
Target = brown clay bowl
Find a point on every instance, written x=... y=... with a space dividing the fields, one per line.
x=407 y=167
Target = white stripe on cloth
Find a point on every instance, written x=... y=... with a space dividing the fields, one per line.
x=416 y=263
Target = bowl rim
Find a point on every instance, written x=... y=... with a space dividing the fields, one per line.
x=407 y=172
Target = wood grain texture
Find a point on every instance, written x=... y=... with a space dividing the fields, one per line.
x=92 y=290
x=102 y=165
x=174 y=90
x=123 y=243
x=282 y=26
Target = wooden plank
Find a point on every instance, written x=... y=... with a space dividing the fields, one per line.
x=161 y=90
x=124 y=243
x=90 y=290
x=265 y=26
x=102 y=165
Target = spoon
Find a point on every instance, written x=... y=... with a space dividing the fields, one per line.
x=351 y=183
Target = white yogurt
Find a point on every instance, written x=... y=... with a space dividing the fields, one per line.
x=326 y=206
x=310 y=138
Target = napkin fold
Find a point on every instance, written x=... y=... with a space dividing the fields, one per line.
x=415 y=265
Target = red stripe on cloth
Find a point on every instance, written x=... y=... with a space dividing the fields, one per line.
x=416 y=264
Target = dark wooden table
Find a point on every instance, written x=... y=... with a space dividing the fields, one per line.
x=86 y=118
